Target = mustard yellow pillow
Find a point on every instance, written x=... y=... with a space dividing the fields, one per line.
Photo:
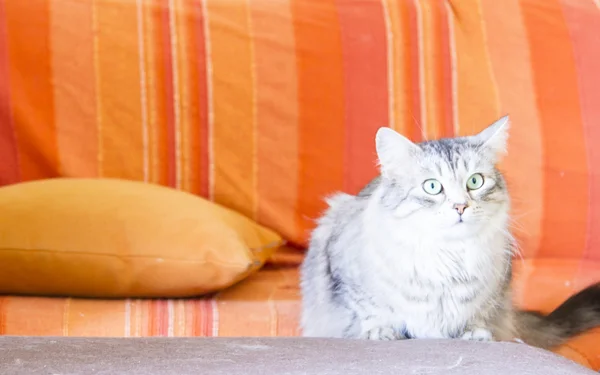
x=116 y=238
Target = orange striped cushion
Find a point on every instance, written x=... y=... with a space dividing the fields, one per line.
x=268 y=301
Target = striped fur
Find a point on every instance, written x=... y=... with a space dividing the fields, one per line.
x=575 y=316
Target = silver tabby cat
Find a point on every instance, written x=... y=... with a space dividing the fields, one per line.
x=424 y=251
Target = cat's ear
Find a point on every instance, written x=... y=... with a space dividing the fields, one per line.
x=494 y=138
x=393 y=150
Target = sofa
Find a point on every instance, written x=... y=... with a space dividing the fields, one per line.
x=265 y=107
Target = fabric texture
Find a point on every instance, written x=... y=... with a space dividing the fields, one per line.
x=235 y=101
x=265 y=304
x=117 y=238
x=267 y=106
x=247 y=356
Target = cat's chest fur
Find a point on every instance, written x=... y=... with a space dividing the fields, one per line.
x=430 y=290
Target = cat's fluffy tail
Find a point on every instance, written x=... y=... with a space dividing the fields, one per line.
x=576 y=315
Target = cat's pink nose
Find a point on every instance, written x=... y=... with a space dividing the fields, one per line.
x=460 y=207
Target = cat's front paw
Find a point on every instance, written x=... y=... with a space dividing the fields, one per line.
x=381 y=333
x=478 y=334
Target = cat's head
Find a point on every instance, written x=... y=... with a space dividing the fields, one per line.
x=449 y=187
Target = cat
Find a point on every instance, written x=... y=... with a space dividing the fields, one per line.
x=425 y=251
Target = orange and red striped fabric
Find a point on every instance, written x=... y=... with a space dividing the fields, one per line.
x=266 y=304
x=267 y=106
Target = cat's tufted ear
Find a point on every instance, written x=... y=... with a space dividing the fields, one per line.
x=494 y=138
x=394 y=151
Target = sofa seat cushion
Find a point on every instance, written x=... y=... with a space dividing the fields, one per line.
x=265 y=304
x=257 y=356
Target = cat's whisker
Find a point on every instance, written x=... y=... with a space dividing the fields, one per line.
x=514 y=223
x=514 y=250
x=518 y=229
x=423 y=133
x=516 y=215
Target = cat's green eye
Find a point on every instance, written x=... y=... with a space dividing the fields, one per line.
x=432 y=186
x=475 y=181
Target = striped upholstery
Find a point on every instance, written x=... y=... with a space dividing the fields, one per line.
x=267 y=301
x=265 y=106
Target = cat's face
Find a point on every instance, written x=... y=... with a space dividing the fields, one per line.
x=448 y=188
